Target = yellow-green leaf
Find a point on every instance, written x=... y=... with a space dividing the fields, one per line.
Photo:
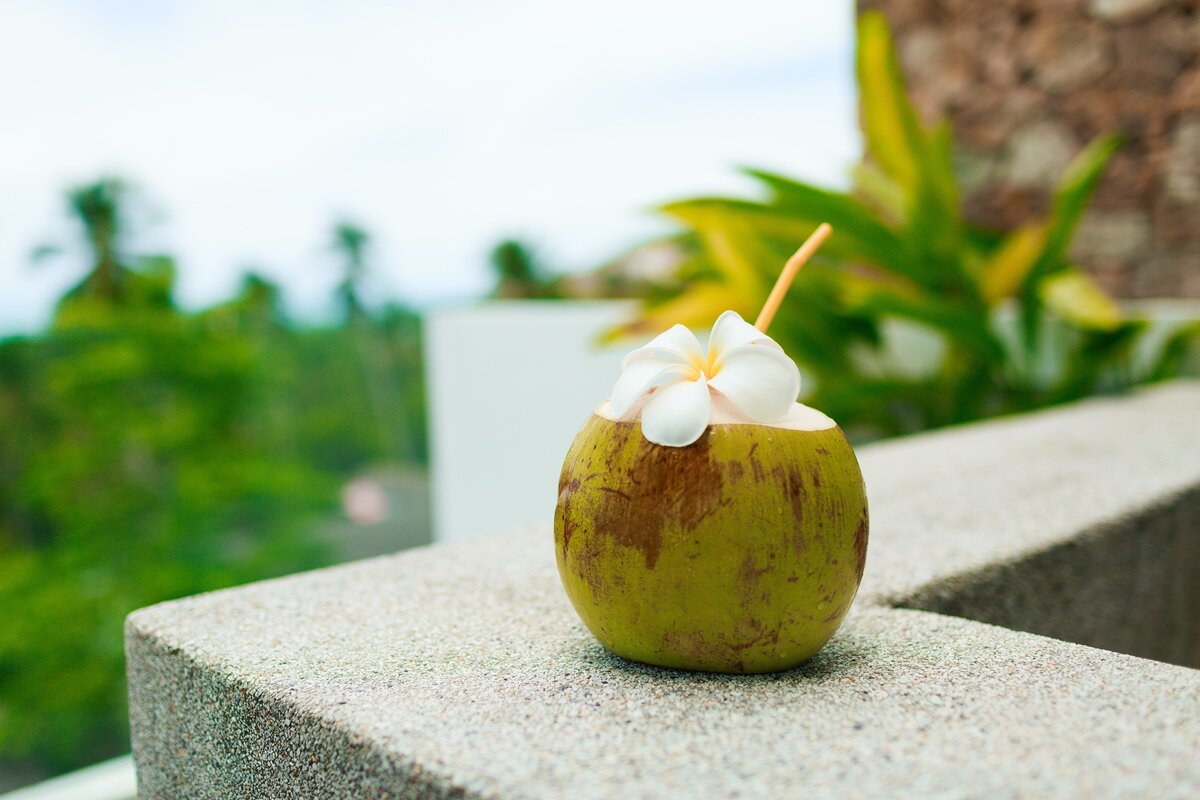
x=879 y=192
x=1006 y=269
x=894 y=138
x=697 y=307
x=1076 y=298
x=729 y=240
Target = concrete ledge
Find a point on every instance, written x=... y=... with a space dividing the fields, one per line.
x=1130 y=585
x=1081 y=523
x=462 y=671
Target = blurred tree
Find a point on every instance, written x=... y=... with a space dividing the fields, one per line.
x=148 y=453
x=139 y=470
x=112 y=276
x=350 y=241
x=97 y=206
x=261 y=300
x=378 y=377
x=518 y=275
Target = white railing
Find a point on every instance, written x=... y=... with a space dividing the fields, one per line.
x=109 y=780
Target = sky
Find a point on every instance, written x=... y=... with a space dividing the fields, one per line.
x=442 y=127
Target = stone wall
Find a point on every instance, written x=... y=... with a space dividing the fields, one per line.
x=1026 y=84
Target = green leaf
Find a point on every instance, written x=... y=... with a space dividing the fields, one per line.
x=880 y=193
x=857 y=236
x=938 y=174
x=737 y=256
x=845 y=213
x=919 y=163
x=1005 y=270
x=961 y=326
x=1098 y=356
x=1071 y=199
x=890 y=126
x=727 y=233
x=936 y=235
x=1185 y=339
x=698 y=306
x=1076 y=298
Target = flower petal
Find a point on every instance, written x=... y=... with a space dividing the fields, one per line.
x=732 y=331
x=677 y=345
x=677 y=414
x=638 y=377
x=761 y=381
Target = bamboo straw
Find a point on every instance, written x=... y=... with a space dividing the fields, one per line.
x=793 y=265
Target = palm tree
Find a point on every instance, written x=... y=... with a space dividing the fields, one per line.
x=517 y=272
x=351 y=241
x=98 y=208
x=113 y=277
x=375 y=359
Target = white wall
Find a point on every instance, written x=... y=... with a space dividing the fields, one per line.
x=510 y=383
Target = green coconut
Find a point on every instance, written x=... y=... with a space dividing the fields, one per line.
x=741 y=552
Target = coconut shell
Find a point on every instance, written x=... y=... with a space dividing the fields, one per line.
x=741 y=552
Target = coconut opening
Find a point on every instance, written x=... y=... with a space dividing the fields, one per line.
x=799 y=417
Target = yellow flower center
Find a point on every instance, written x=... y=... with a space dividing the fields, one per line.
x=708 y=367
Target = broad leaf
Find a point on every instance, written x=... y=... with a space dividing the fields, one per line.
x=1076 y=298
x=880 y=193
x=856 y=236
x=1100 y=356
x=1006 y=269
x=890 y=126
x=696 y=307
x=1071 y=198
x=961 y=326
x=1184 y=340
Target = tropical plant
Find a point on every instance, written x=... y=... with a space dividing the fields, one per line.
x=1016 y=324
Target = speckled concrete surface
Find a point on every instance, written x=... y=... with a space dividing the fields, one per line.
x=1081 y=523
x=964 y=499
x=462 y=670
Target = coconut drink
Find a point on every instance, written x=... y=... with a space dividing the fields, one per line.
x=705 y=519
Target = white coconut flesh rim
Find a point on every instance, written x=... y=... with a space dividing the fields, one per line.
x=799 y=417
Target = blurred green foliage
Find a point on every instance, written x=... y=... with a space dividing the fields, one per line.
x=519 y=275
x=1013 y=324
x=148 y=453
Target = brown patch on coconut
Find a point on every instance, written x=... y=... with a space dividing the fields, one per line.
x=666 y=485
x=836 y=614
x=566 y=488
x=756 y=465
x=690 y=643
x=797 y=495
x=748 y=573
x=736 y=470
x=860 y=546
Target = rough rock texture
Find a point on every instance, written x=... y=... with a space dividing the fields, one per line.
x=462 y=671
x=1026 y=84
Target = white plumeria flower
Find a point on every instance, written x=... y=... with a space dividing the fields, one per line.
x=742 y=363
